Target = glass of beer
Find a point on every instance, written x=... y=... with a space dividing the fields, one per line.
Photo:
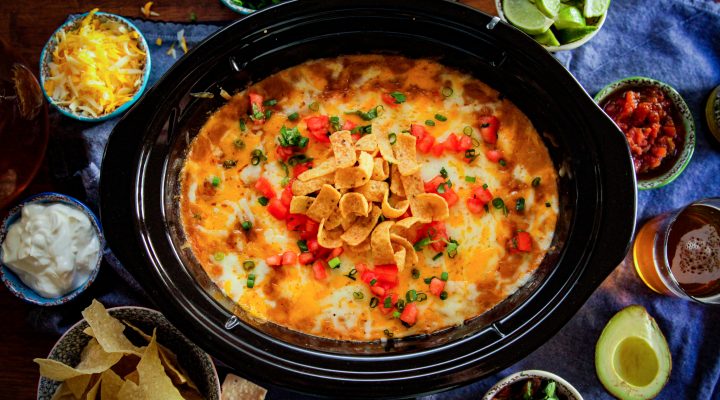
x=678 y=253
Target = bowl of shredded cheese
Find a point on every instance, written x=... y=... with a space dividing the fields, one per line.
x=95 y=66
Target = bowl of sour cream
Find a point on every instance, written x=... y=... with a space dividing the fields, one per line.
x=51 y=247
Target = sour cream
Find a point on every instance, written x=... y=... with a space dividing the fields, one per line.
x=52 y=248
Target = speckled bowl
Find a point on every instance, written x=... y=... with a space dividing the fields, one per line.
x=563 y=386
x=196 y=362
x=237 y=8
x=13 y=282
x=688 y=146
x=46 y=57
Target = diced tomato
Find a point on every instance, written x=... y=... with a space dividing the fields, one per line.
x=418 y=131
x=284 y=153
x=287 y=194
x=450 y=196
x=348 y=126
x=313 y=245
x=393 y=300
x=306 y=258
x=493 y=155
x=300 y=168
x=425 y=144
x=336 y=252
x=367 y=276
x=274 y=261
x=389 y=100
x=311 y=226
x=277 y=209
x=361 y=268
x=257 y=101
x=289 y=258
x=387 y=275
x=318 y=128
x=522 y=242
x=465 y=143
x=319 y=270
x=378 y=290
x=409 y=314
x=437 y=286
x=265 y=188
x=436 y=232
x=474 y=205
x=431 y=186
x=489 y=126
x=295 y=222
x=452 y=143
x=355 y=136
x=437 y=149
x=483 y=194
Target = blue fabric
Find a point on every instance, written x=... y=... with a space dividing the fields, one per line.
x=675 y=41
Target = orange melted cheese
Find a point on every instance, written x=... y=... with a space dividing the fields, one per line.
x=482 y=274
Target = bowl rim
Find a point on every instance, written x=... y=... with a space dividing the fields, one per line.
x=50 y=197
x=562 y=47
x=688 y=147
x=73 y=19
x=142 y=309
x=238 y=9
x=530 y=373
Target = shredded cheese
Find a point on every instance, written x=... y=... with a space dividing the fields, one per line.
x=147 y=12
x=171 y=51
x=158 y=41
x=181 y=40
x=96 y=67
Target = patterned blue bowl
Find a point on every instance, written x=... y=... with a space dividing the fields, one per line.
x=46 y=56
x=13 y=282
x=238 y=8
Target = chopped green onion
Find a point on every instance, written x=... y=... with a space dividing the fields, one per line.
x=429 y=122
x=428 y=280
x=415 y=273
x=227 y=164
x=520 y=204
x=352 y=274
x=396 y=314
x=536 y=181
x=411 y=295
x=437 y=256
x=399 y=97
x=374 y=302
x=268 y=114
x=294 y=116
x=335 y=123
x=502 y=162
x=444 y=276
x=388 y=302
x=219 y=256
x=373 y=282
x=443 y=172
x=243 y=127
x=362 y=129
x=442 y=188
x=443 y=295
x=334 y=262
x=392 y=137
x=270 y=102
x=447 y=91
x=358 y=295
x=470 y=179
x=251 y=276
x=257 y=156
x=290 y=137
x=248 y=265
x=256 y=113
x=263 y=201
x=468 y=130
x=388 y=333
x=470 y=153
x=246 y=225
x=418 y=246
x=421 y=297
x=215 y=181
x=239 y=144
x=485 y=186
x=452 y=247
x=485 y=125
x=296 y=159
x=250 y=283
x=547 y=204
x=314 y=106
x=370 y=115
x=498 y=203
x=400 y=304
x=440 y=117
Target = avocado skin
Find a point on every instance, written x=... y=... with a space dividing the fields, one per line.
x=631 y=321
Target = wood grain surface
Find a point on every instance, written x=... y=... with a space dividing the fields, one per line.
x=27 y=25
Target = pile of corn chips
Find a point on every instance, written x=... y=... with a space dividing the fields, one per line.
x=112 y=367
x=354 y=204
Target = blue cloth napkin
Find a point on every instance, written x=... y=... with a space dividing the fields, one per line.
x=675 y=41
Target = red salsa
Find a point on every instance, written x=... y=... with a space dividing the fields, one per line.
x=647 y=117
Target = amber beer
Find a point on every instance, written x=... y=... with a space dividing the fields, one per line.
x=678 y=253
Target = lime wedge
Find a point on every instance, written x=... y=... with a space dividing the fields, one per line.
x=569 y=17
x=524 y=15
x=595 y=8
x=547 y=39
x=574 y=34
x=548 y=7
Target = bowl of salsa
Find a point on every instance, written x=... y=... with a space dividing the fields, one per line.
x=657 y=124
x=532 y=385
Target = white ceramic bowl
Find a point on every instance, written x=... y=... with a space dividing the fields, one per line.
x=568 y=46
x=563 y=387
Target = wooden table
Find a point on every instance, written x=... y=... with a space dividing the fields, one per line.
x=27 y=25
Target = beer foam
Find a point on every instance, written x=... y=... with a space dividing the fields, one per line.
x=697 y=256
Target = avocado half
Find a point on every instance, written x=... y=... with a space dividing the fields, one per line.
x=632 y=358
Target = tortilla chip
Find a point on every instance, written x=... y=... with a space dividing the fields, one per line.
x=394 y=212
x=133 y=377
x=406 y=154
x=154 y=383
x=367 y=143
x=362 y=227
x=327 y=167
x=352 y=177
x=353 y=204
x=63 y=393
x=346 y=223
x=300 y=188
x=325 y=203
x=130 y=391
x=430 y=207
x=402 y=226
x=411 y=257
x=396 y=185
x=399 y=257
x=300 y=204
x=383 y=144
x=110 y=384
x=382 y=249
x=108 y=331
x=343 y=149
x=93 y=359
x=413 y=185
x=78 y=385
x=329 y=239
x=373 y=190
x=237 y=388
x=88 y=331
x=126 y=365
x=334 y=220
x=94 y=389
x=381 y=169
x=362 y=248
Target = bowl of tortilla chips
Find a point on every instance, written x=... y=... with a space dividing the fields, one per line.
x=126 y=353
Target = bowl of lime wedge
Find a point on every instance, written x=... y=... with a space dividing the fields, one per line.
x=556 y=24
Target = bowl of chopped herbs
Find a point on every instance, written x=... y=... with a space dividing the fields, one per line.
x=246 y=7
